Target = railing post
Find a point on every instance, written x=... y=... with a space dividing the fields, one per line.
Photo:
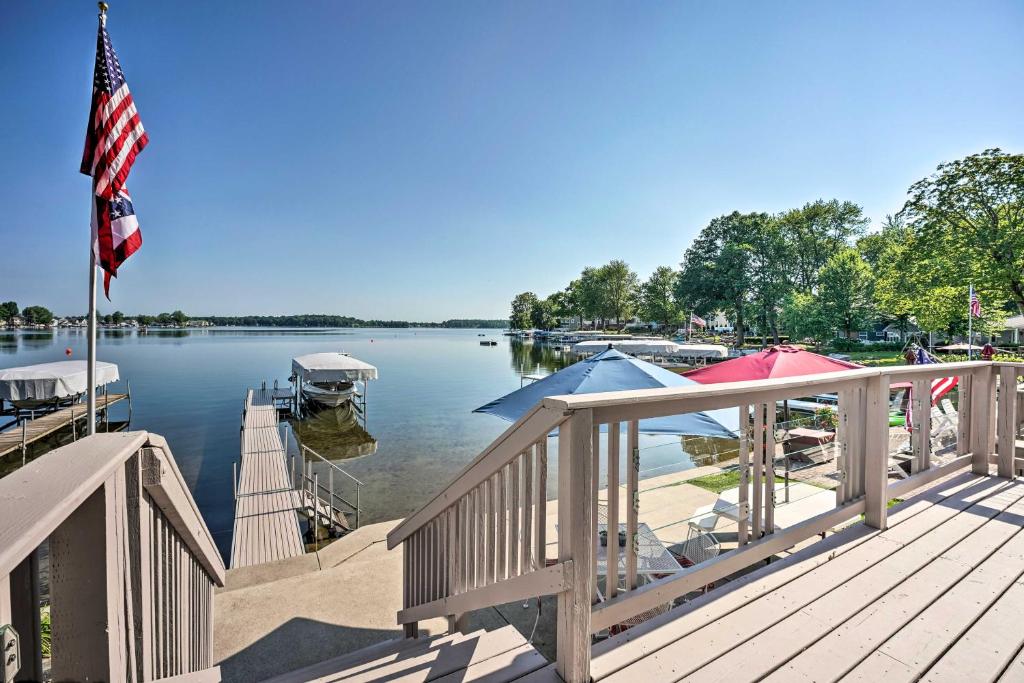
x=1007 y=425
x=575 y=543
x=981 y=419
x=86 y=596
x=876 y=451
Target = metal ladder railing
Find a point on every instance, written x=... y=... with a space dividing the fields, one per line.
x=309 y=483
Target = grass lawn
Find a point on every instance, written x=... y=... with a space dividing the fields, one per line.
x=716 y=483
x=876 y=358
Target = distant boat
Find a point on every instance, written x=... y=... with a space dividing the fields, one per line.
x=488 y=342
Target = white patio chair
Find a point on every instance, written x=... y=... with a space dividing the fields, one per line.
x=699 y=546
x=943 y=427
x=949 y=410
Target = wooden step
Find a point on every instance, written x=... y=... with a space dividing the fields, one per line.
x=492 y=656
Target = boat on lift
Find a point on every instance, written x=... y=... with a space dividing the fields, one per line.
x=331 y=379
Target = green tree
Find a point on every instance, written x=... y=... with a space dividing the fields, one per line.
x=845 y=289
x=179 y=318
x=522 y=308
x=715 y=271
x=117 y=317
x=769 y=282
x=817 y=231
x=803 y=317
x=9 y=311
x=164 y=319
x=620 y=287
x=572 y=302
x=37 y=315
x=145 y=319
x=658 y=297
x=972 y=212
x=591 y=295
x=542 y=314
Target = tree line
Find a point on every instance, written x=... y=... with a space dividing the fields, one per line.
x=326 y=320
x=39 y=315
x=816 y=271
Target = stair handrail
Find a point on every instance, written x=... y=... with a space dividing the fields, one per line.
x=524 y=432
x=307 y=449
x=124 y=530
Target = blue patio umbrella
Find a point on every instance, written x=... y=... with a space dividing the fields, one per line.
x=613 y=370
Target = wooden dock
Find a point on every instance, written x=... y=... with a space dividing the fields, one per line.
x=266 y=504
x=33 y=430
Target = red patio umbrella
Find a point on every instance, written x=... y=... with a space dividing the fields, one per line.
x=774 y=362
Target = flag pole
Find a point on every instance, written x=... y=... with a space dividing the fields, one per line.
x=91 y=372
x=91 y=362
x=970 y=323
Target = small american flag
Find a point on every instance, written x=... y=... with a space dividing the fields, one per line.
x=975 y=304
x=114 y=137
x=697 y=320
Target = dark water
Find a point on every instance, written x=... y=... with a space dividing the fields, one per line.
x=189 y=385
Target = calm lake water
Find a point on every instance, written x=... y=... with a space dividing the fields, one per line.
x=189 y=386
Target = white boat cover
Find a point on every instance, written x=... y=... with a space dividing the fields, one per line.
x=52 y=380
x=702 y=351
x=656 y=347
x=332 y=367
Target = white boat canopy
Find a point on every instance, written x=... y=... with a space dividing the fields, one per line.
x=332 y=367
x=48 y=381
x=655 y=347
x=702 y=351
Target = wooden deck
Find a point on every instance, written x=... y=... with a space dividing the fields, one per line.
x=935 y=596
x=45 y=425
x=498 y=656
x=266 y=521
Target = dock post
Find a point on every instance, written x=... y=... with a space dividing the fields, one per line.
x=24 y=441
x=316 y=501
x=291 y=460
x=74 y=431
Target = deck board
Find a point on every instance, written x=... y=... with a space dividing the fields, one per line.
x=266 y=521
x=715 y=640
x=635 y=643
x=936 y=596
x=44 y=425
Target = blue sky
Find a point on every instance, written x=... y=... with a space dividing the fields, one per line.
x=429 y=160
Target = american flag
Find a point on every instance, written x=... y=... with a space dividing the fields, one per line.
x=114 y=137
x=940 y=387
x=975 y=304
x=697 y=320
x=115 y=233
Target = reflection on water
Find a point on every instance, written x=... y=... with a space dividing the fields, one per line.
x=537 y=359
x=706 y=450
x=335 y=433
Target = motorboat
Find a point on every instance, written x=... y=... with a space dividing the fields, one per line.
x=51 y=384
x=331 y=394
x=331 y=379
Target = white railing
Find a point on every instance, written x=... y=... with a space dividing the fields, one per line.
x=465 y=549
x=132 y=565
